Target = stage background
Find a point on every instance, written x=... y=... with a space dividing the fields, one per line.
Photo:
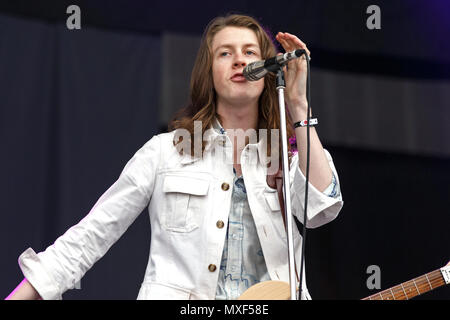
x=76 y=104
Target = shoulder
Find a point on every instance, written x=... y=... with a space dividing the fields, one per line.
x=161 y=143
x=164 y=140
x=166 y=136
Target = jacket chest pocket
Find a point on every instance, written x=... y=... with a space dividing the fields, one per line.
x=276 y=214
x=185 y=201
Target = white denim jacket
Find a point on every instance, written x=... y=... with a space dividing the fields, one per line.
x=188 y=201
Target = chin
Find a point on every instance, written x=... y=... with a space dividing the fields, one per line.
x=247 y=95
x=244 y=100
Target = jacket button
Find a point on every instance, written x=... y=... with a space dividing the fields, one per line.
x=212 y=267
x=225 y=186
x=220 y=224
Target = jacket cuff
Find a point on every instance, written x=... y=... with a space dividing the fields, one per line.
x=332 y=190
x=34 y=271
x=321 y=207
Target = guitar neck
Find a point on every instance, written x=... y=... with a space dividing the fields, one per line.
x=414 y=287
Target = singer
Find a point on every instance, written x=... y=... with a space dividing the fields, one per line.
x=209 y=183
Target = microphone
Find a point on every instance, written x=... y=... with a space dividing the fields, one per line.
x=258 y=69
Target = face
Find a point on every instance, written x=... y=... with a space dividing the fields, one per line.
x=233 y=48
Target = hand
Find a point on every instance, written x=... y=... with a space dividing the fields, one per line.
x=295 y=74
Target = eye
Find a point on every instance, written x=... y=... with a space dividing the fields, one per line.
x=250 y=52
x=225 y=53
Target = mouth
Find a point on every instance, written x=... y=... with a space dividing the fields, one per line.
x=238 y=77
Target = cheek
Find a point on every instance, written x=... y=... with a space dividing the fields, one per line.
x=260 y=85
x=217 y=76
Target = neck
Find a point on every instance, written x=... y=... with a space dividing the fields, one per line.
x=235 y=117
x=238 y=116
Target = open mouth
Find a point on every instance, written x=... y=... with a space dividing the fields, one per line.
x=238 y=77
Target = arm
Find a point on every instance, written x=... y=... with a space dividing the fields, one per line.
x=320 y=173
x=319 y=170
x=24 y=291
x=64 y=263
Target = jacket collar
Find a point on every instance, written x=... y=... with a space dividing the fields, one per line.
x=216 y=134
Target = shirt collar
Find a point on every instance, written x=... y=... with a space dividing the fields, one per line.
x=217 y=126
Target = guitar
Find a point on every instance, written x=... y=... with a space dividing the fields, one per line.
x=280 y=290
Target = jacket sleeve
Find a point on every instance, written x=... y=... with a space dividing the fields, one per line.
x=322 y=208
x=64 y=263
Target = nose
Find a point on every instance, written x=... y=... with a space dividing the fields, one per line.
x=239 y=61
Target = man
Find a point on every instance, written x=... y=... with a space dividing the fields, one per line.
x=216 y=223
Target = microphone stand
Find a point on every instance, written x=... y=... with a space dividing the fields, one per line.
x=280 y=86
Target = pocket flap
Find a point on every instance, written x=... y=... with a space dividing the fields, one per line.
x=185 y=184
x=272 y=201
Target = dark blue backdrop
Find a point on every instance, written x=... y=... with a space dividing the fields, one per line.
x=75 y=106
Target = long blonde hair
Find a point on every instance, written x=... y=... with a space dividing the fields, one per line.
x=202 y=104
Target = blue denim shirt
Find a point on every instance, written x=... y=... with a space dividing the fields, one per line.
x=243 y=263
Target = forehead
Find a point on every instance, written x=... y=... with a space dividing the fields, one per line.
x=234 y=36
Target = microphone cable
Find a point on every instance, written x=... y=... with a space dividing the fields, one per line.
x=308 y=117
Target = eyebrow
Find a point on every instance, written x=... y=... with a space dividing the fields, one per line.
x=231 y=46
